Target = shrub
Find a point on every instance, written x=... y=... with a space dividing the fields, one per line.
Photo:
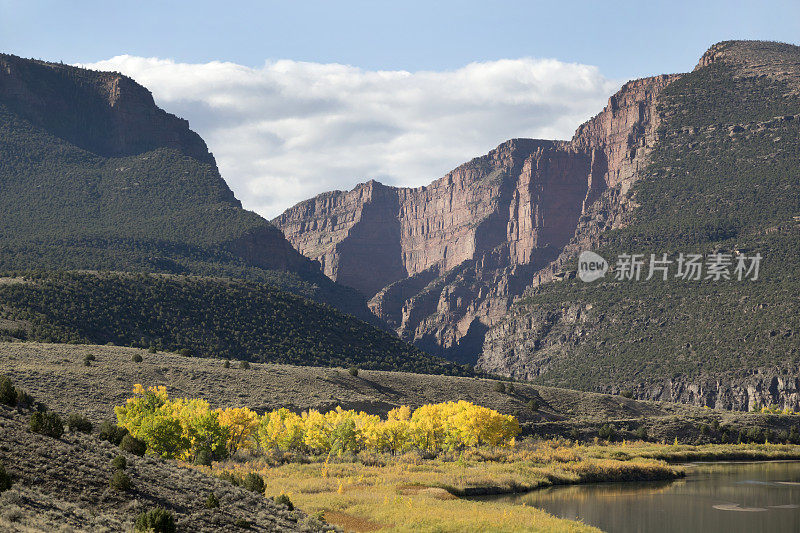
x=111 y=432
x=794 y=435
x=244 y=365
x=5 y=479
x=227 y=363
x=157 y=520
x=253 y=482
x=500 y=386
x=607 y=431
x=136 y=358
x=152 y=349
x=26 y=400
x=626 y=394
x=242 y=523
x=533 y=405
x=186 y=352
x=742 y=435
x=353 y=371
x=88 y=358
x=203 y=457
x=641 y=433
x=78 y=422
x=231 y=478
x=211 y=501
x=49 y=424
x=756 y=434
x=119 y=463
x=8 y=394
x=131 y=444
x=283 y=499
x=120 y=481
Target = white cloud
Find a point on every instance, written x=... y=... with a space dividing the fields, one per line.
x=290 y=130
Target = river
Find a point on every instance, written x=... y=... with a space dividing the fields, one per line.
x=713 y=497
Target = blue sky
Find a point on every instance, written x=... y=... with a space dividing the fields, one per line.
x=624 y=39
x=298 y=97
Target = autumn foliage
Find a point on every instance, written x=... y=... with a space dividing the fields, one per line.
x=182 y=428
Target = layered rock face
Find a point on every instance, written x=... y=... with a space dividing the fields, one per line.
x=442 y=263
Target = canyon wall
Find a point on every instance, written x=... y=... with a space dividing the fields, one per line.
x=442 y=263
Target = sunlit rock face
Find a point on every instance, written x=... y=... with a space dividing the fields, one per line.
x=442 y=263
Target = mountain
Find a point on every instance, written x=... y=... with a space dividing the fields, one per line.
x=722 y=177
x=95 y=176
x=443 y=263
x=480 y=264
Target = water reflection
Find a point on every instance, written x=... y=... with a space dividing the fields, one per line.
x=714 y=497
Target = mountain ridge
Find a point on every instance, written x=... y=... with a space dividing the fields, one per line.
x=96 y=176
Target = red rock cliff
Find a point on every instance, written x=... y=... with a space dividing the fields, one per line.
x=443 y=262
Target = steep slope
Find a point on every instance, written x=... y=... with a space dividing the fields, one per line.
x=722 y=177
x=208 y=317
x=62 y=484
x=442 y=263
x=95 y=175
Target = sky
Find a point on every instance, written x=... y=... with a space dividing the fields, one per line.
x=298 y=97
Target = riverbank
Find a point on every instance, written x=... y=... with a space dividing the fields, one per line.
x=411 y=493
x=683 y=453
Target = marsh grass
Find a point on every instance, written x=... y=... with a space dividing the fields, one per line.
x=409 y=492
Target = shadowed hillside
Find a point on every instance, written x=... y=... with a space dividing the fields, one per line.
x=96 y=176
x=57 y=374
x=205 y=317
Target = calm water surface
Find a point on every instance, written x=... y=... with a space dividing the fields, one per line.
x=714 y=497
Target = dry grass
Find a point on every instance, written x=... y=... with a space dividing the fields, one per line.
x=48 y=370
x=682 y=453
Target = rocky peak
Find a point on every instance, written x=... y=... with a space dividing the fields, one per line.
x=780 y=61
x=105 y=113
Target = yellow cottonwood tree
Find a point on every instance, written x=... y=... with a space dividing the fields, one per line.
x=184 y=427
x=241 y=424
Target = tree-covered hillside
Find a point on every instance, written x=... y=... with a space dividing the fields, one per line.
x=208 y=317
x=95 y=176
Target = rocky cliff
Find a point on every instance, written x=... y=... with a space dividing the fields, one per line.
x=466 y=267
x=102 y=112
x=719 y=177
x=442 y=263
